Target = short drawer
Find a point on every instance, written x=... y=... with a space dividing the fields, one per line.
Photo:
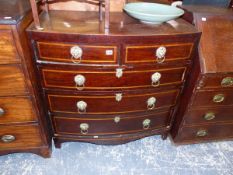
x=209 y=115
x=216 y=81
x=16 y=109
x=208 y=132
x=12 y=80
x=8 y=53
x=91 y=79
x=19 y=136
x=88 y=126
x=77 y=53
x=158 y=53
x=110 y=103
x=213 y=98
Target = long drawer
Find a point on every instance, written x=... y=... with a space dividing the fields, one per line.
x=96 y=79
x=117 y=125
x=213 y=98
x=12 y=81
x=77 y=53
x=209 y=115
x=158 y=53
x=19 y=136
x=110 y=103
x=16 y=109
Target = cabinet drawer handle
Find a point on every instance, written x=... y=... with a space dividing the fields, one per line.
x=202 y=133
x=84 y=128
x=82 y=107
x=2 y=112
x=155 y=79
x=119 y=72
x=119 y=97
x=209 y=116
x=151 y=103
x=146 y=124
x=218 y=98
x=160 y=54
x=80 y=82
x=76 y=54
x=228 y=81
x=117 y=119
x=8 y=138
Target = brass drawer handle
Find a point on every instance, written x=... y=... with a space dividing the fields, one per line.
x=2 y=112
x=119 y=72
x=209 y=116
x=119 y=97
x=146 y=124
x=202 y=133
x=155 y=79
x=82 y=107
x=160 y=54
x=151 y=103
x=76 y=54
x=84 y=128
x=8 y=138
x=228 y=81
x=218 y=98
x=117 y=119
x=80 y=82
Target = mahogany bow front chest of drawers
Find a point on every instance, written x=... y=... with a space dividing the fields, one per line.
x=112 y=86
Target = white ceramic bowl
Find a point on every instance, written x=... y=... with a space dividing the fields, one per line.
x=152 y=13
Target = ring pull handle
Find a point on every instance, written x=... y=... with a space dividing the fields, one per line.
x=146 y=124
x=209 y=116
x=228 y=81
x=119 y=97
x=8 y=138
x=80 y=82
x=82 y=107
x=2 y=112
x=202 y=133
x=155 y=79
x=119 y=72
x=218 y=98
x=84 y=128
x=151 y=103
x=160 y=54
x=117 y=119
x=76 y=54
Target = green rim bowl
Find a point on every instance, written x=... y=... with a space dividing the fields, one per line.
x=152 y=13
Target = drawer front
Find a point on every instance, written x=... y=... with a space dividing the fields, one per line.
x=213 y=98
x=8 y=53
x=87 y=126
x=16 y=109
x=72 y=53
x=19 y=137
x=108 y=79
x=158 y=53
x=207 y=132
x=209 y=115
x=217 y=81
x=12 y=80
x=111 y=103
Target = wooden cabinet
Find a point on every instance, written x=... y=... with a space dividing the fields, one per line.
x=115 y=86
x=23 y=126
x=205 y=113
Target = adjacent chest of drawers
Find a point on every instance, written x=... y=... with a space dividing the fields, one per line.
x=110 y=87
x=206 y=109
x=21 y=125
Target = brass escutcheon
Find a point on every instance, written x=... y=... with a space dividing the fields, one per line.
x=218 y=98
x=228 y=81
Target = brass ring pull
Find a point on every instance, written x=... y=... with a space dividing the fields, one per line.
x=117 y=119
x=146 y=124
x=209 y=116
x=82 y=106
x=160 y=54
x=218 y=98
x=151 y=103
x=84 y=128
x=228 y=81
x=8 y=138
x=2 y=112
x=202 y=133
x=155 y=79
x=76 y=54
x=80 y=82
